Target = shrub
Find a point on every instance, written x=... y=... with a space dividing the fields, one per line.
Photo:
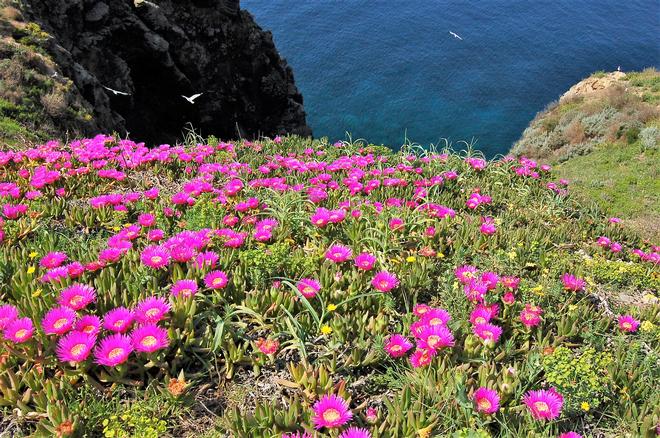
x=649 y=137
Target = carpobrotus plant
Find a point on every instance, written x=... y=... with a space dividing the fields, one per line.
x=418 y=293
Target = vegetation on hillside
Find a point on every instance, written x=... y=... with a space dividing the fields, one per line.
x=606 y=144
x=36 y=101
x=297 y=288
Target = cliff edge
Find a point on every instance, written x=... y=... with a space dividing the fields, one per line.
x=151 y=53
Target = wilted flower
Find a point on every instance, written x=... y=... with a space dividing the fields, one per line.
x=267 y=346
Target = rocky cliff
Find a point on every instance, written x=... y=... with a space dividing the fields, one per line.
x=155 y=52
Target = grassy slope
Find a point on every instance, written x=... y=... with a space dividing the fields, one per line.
x=606 y=145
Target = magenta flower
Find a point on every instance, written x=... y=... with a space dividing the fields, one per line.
x=58 y=321
x=420 y=309
x=480 y=315
x=297 y=435
x=544 y=404
x=384 y=281
x=151 y=310
x=570 y=435
x=331 y=411
x=435 y=316
x=397 y=345
x=338 y=253
x=435 y=337
x=75 y=346
x=628 y=324
x=19 y=330
x=113 y=350
x=52 y=260
x=486 y=400
x=510 y=283
x=77 y=296
x=118 y=320
x=365 y=261
x=572 y=283
x=466 y=273
x=530 y=318
x=421 y=357
x=155 y=256
x=8 y=313
x=149 y=338
x=488 y=332
x=308 y=287
x=89 y=324
x=487 y=226
x=355 y=432
x=184 y=288
x=216 y=280
x=146 y=219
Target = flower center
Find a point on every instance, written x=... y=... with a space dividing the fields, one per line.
x=88 y=329
x=149 y=341
x=480 y=320
x=186 y=293
x=484 y=404
x=156 y=259
x=20 y=334
x=76 y=300
x=331 y=415
x=396 y=347
x=488 y=334
x=78 y=349
x=435 y=321
x=384 y=284
x=152 y=312
x=217 y=281
x=118 y=323
x=60 y=323
x=115 y=352
x=541 y=406
x=433 y=340
x=627 y=325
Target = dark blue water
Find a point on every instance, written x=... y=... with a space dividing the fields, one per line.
x=384 y=70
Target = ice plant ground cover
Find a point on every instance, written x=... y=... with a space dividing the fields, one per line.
x=306 y=289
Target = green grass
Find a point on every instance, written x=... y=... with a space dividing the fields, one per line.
x=622 y=179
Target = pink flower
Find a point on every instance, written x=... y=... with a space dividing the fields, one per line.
x=184 y=288
x=89 y=324
x=466 y=273
x=118 y=320
x=19 y=330
x=113 y=350
x=151 y=310
x=338 y=253
x=480 y=315
x=355 y=432
x=331 y=411
x=52 y=260
x=297 y=435
x=216 y=280
x=58 y=321
x=308 y=287
x=396 y=224
x=77 y=296
x=397 y=345
x=149 y=338
x=435 y=316
x=434 y=337
x=384 y=281
x=420 y=309
x=544 y=404
x=603 y=241
x=365 y=261
x=572 y=282
x=529 y=318
x=267 y=346
x=488 y=332
x=628 y=324
x=487 y=226
x=508 y=298
x=155 y=256
x=75 y=346
x=486 y=400
x=421 y=357
x=510 y=283
x=475 y=291
x=8 y=313
x=146 y=219
x=570 y=435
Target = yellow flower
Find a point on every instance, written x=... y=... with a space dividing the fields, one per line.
x=411 y=259
x=115 y=228
x=332 y=307
x=572 y=307
x=326 y=330
x=31 y=269
x=512 y=255
x=440 y=255
x=585 y=406
x=647 y=326
x=36 y=293
x=33 y=254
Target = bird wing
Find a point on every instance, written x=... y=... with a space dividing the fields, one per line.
x=195 y=96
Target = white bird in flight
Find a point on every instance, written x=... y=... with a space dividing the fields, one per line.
x=455 y=35
x=115 y=92
x=192 y=98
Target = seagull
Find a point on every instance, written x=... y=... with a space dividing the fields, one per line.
x=115 y=92
x=618 y=68
x=455 y=35
x=192 y=98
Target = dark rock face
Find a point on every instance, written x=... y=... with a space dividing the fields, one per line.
x=159 y=50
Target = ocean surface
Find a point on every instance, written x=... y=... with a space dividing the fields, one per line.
x=390 y=70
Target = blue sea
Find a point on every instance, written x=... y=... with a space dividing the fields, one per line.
x=388 y=71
